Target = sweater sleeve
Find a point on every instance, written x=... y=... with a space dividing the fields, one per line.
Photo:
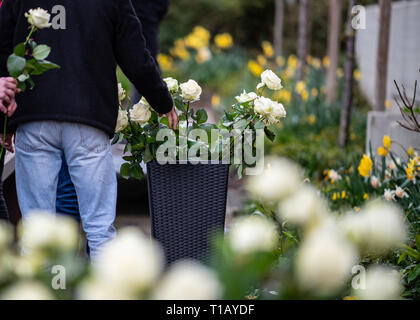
x=137 y=62
x=7 y=28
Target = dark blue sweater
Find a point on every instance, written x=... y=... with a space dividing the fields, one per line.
x=99 y=35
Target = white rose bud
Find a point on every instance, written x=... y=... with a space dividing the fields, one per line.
x=246 y=97
x=191 y=91
x=121 y=92
x=122 y=121
x=172 y=84
x=271 y=80
x=39 y=18
x=140 y=113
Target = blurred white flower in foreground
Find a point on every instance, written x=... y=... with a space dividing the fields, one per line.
x=281 y=179
x=324 y=262
x=305 y=207
x=377 y=228
x=43 y=230
x=27 y=290
x=253 y=234
x=131 y=262
x=382 y=283
x=188 y=280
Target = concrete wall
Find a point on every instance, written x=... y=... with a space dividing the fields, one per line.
x=403 y=66
x=404 y=52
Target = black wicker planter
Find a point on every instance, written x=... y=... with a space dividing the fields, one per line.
x=187 y=205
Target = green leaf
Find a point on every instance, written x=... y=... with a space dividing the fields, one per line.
x=417 y=237
x=136 y=171
x=147 y=155
x=414 y=274
x=241 y=124
x=125 y=170
x=22 y=86
x=164 y=121
x=202 y=116
x=20 y=50
x=270 y=134
x=41 y=52
x=15 y=65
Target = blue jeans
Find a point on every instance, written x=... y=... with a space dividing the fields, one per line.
x=66 y=203
x=39 y=149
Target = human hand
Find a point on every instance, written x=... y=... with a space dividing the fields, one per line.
x=8 y=89
x=8 y=144
x=172 y=118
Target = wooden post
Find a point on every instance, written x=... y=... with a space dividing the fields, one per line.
x=303 y=37
x=333 y=49
x=278 y=28
x=382 y=54
x=348 y=81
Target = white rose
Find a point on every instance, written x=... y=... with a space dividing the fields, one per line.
x=122 y=121
x=382 y=283
x=281 y=179
x=269 y=109
x=253 y=234
x=303 y=208
x=172 y=84
x=39 y=18
x=377 y=228
x=246 y=97
x=131 y=262
x=27 y=290
x=324 y=262
x=121 y=92
x=188 y=280
x=271 y=80
x=145 y=102
x=140 y=113
x=191 y=91
x=43 y=230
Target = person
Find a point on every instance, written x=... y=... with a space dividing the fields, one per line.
x=8 y=88
x=150 y=13
x=72 y=111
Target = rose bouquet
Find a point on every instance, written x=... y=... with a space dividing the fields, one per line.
x=29 y=58
x=234 y=139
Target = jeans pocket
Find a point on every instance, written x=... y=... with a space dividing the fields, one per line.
x=93 y=139
x=29 y=136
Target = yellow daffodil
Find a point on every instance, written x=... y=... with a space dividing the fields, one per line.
x=215 y=100
x=365 y=166
x=255 y=68
x=292 y=61
x=280 y=61
x=268 y=49
x=326 y=62
x=410 y=152
x=357 y=75
x=165 y=62
x=223 y=40
x=384 y=150
x=365 y=196
x=261 y=60
x=300 y=87
x=388 y=104
x=314 y=92
x=312 y=119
